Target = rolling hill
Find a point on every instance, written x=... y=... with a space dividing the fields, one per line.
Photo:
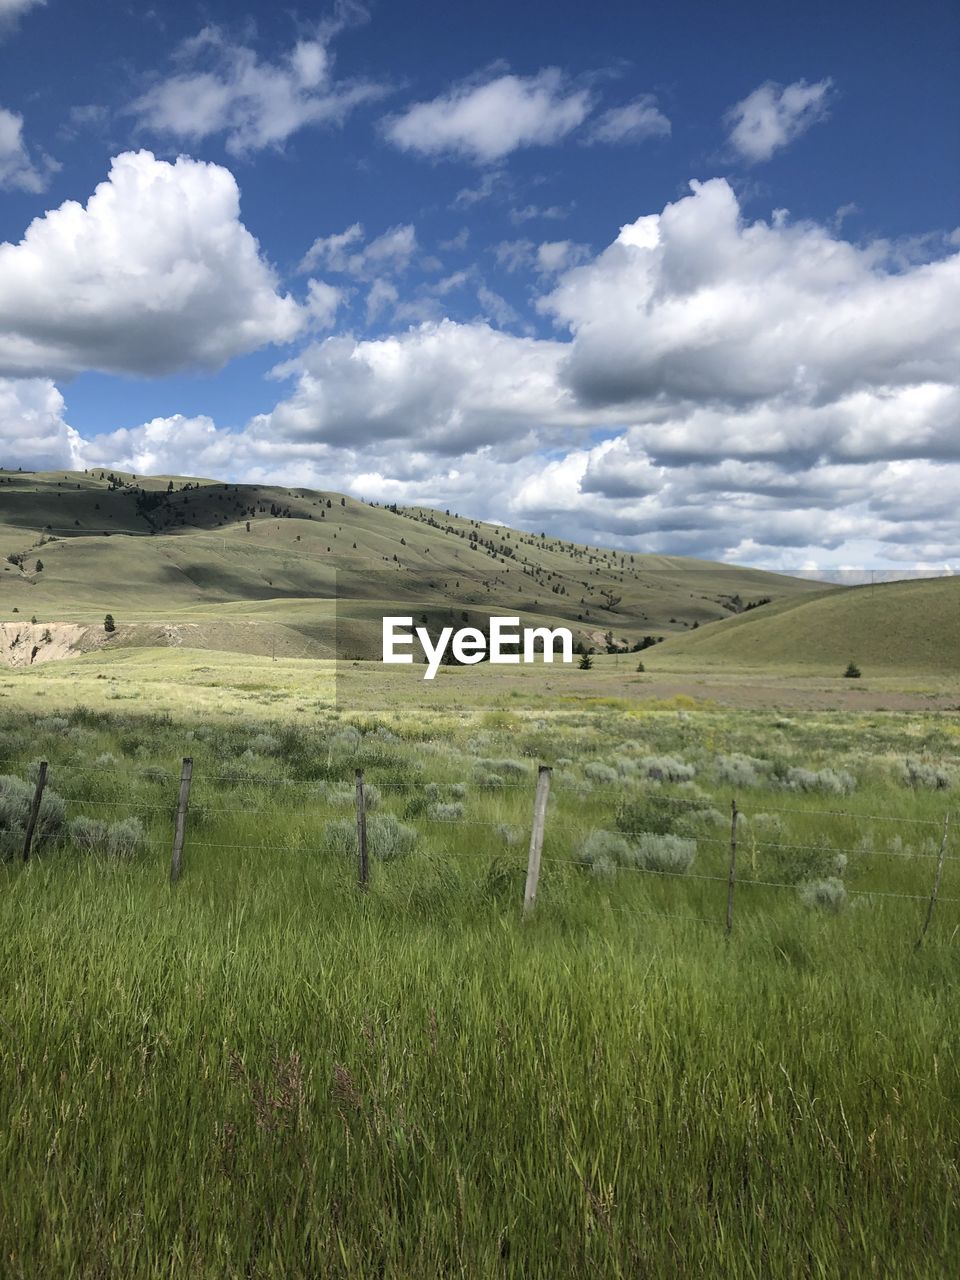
x=298 y=572
x=905 y=626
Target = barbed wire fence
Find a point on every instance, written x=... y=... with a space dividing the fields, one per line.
x=733 y=880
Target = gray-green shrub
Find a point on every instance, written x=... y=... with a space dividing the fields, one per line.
x=390 y=838
x=740 y=771
x=387 y=837
x=120 y=839
x=921 y=775
x=836 y=782
x=597 y=771
x=666 y=769
x=339 y=837
x=607 y=847
x=655 y=852
x=829 y=894
x=446 y=812
x=16 y=801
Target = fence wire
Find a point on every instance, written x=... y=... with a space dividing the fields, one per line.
x=319 y=789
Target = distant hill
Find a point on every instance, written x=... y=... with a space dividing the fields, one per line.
x=882 y=628
x=255 y=568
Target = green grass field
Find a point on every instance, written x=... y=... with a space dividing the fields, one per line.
x=263 y=1072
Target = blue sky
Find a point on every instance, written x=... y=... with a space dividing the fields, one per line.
x=452 y=253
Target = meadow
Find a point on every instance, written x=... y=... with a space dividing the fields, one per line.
x=265 y=1072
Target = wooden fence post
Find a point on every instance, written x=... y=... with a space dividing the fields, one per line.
x=34 y=810
x=936 y=883
x=732 y=877
x=364 y=864
x=186 y=776
x=536 y=838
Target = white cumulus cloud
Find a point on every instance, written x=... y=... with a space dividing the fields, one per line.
x=554 y=256
x=447 y=386
x=33 y=431
x=485 y=120
x=224 y=88
x=633 y=122
x=348 y=253
x=160 y=446
x=697 y=306
x=323 y=302
x=18 y=169
x=155 y=273
x=12 y=10
x=774 y=115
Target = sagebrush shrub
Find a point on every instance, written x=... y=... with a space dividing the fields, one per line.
x=694 y=820
x=740 y=771
x=389 y=838
x=568 y=780
x=597 y=771
x=919 y=774
x=655 y=852
x=606 y=847
x=836 y=782
x=89 y=835
x=347 y=741
x=339 y=794
x=829 y=894
x=603 y=868
x=120 y=839
x=339 y=837
x=507 y=768
x=125 y=838
x=666 y=769
x=16 y=801
x=11 y=744
x=446 y=812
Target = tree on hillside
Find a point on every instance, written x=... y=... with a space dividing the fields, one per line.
x=108 y=624
x=39 y=566
x=586 y=662
x=852 y=672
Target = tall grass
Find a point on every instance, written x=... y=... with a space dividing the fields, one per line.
x=265 y=1073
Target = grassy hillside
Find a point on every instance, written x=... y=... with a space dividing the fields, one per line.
x=163 y=552
x=892 y=626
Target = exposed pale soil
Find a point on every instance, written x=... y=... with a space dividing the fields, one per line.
x=22 y=644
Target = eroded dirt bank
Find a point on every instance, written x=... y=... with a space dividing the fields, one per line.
x=23 y=644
